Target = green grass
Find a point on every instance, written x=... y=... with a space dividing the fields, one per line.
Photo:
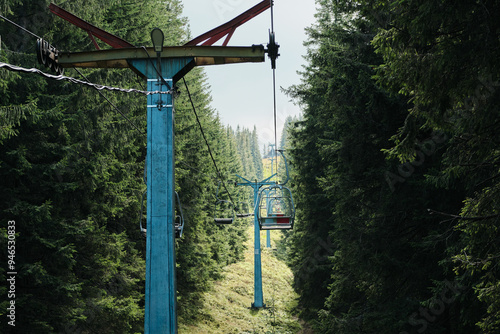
x=227 y=309
x=266 y=164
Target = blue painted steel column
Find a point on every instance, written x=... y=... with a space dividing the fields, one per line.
x=161 y=299
x=258 y=295
x=161 y=313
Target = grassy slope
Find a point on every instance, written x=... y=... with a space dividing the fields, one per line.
x=227 y=307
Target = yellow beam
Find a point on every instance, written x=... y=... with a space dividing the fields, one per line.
x=203 y=55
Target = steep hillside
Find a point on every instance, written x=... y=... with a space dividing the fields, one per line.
x=227 y=307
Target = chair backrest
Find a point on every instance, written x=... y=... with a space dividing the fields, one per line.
x=275 y=208
x=224 y=212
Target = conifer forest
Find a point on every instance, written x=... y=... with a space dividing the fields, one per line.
x=394 y=166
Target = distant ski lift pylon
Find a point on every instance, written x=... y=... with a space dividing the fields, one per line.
x=276 y=210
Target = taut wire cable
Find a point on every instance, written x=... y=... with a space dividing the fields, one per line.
x=219 y=174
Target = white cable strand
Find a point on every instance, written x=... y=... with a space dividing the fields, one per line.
x=15 y=68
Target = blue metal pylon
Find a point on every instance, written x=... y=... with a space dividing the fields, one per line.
x=161 y=312
x=258 y=294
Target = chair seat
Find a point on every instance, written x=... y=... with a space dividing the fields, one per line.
x=244 y=215
x=278 y=222
x=223 y=220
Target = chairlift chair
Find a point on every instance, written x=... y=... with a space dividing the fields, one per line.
x=142 y=229
x=179 y=218
x=243 y=210
x=223 y=211
x=276 y=210
x=178 y=221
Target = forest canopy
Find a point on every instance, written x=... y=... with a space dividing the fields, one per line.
x=396 y=168
x=72 y=175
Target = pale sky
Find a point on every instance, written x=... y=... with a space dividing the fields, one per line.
x=242 y=93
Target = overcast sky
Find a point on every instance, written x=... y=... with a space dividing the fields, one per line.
x=242 y=93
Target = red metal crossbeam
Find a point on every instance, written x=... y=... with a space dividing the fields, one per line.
x=209 y=38
x=228 y=28
x=110 y=39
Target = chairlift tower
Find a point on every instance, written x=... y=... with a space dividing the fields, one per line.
x=272 y=222
x=258 y=301
x=162 y=67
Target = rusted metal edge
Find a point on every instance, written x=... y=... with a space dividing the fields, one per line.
x=203 y=55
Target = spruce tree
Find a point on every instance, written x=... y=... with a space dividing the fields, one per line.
x=364 y=251
x=72 y=172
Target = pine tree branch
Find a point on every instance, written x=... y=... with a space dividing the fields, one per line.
x=487 y=180
x=463 y=218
